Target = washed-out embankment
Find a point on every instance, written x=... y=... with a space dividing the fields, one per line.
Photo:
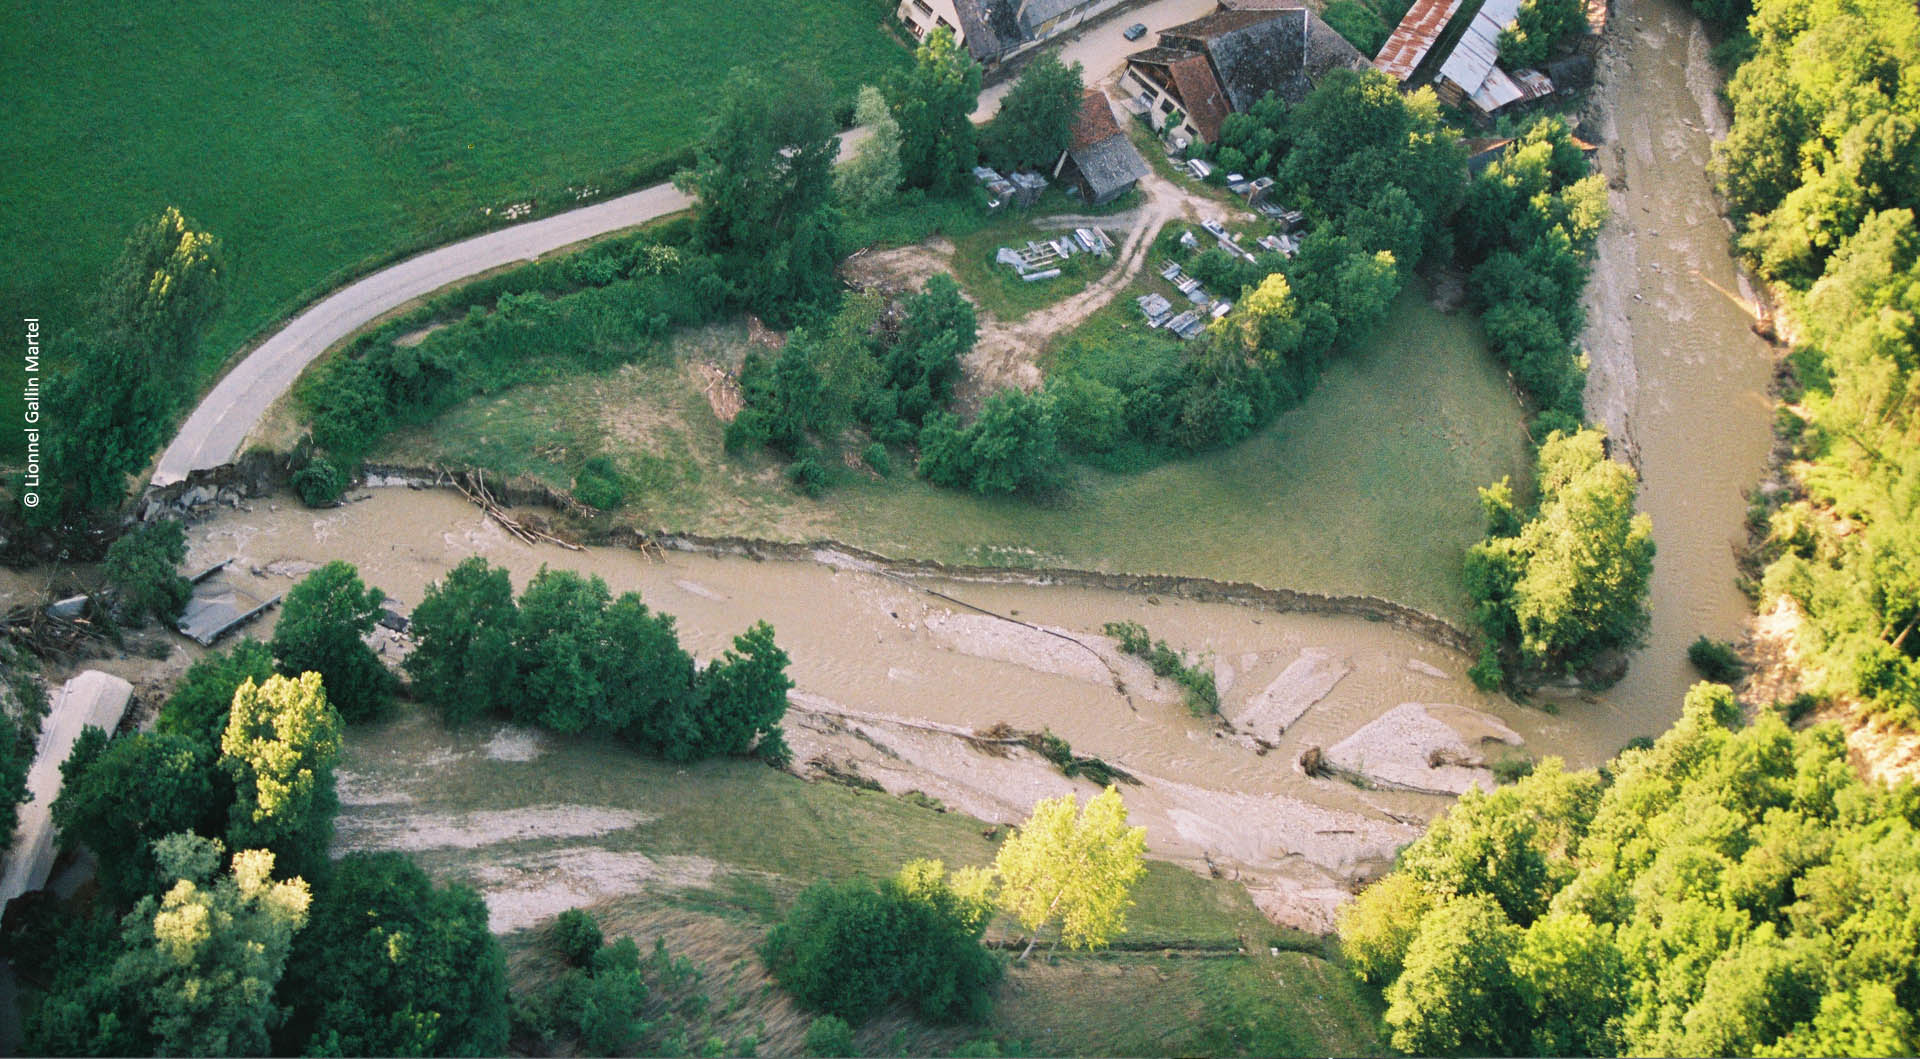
x=259 y=473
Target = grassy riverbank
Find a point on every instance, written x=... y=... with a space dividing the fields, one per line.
x=1367 y=487
x=713 y=853
x=318 y=139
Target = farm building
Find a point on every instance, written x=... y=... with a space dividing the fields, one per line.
x=1203 y=70
x=1467 y=73
x=1099 y=162
x=994 y=30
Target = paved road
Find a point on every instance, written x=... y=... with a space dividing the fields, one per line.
x=215 y=432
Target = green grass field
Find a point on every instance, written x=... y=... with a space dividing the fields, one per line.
x=1368 y=487
x=318 y=139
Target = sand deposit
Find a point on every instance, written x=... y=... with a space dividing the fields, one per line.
x=1308 y=679
x=1435 y=749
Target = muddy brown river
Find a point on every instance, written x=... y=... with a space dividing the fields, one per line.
x=893 y=677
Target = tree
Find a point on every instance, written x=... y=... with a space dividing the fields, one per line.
x=321 y=630
x=1035 y=122
x=1011 y=448
x=847 y=949
x=202 y=702
x=1538 y=28
x=279 y=748
x=201 y=963
x=556 y=637
x=463 y=660
x=106 y=413
x=764 y=177
x=143 y=567
x=118 y=797
x=1072 y=867
x=389 y=964
x=932 y=101
x=166 y=287
x=868 y=181
x=1456 y=993
x=737 y=702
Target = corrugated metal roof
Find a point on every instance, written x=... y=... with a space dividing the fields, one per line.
x=1472 y=60
x=1503 y=89
x=1414 y=37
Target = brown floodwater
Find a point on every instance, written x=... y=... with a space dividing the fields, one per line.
x=1677 y=371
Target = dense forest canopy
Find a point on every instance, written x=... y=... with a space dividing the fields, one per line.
x=1822 y=171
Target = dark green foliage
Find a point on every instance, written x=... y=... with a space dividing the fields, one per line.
x=1540 y=27
x=104 y=414
x=577 y=935
x=464 y=659
x=1527 y=229
x=569 y=657
x=143 y=569
x=1356 y=22
x=875 y=456
x=599 y=484
x=1036 y=117
x=389 y=964
x=118 y=796
x=319 y=483
x=829 y=1036
x=1202 y=696
x=1011 y=448
x=765 y=180
x=850 y=948
x=1729 y=892
x=808 y=476
x=166 y=287
x=23 y=704
x=932 y=102
x=321 y=625
x=201 y=701
x=595 y=1005
x=1717 y=661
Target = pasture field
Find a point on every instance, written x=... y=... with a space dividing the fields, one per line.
x=321 y=140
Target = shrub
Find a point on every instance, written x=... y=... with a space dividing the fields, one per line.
x=319 y=483
x=830 y=1036
x=876 y=457
x=808 y=476
x=599 y=485
x=576 y=934
x=142 y=566
x=1717 y=661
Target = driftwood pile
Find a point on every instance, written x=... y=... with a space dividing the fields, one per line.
x=474 y=487
x=53 y=638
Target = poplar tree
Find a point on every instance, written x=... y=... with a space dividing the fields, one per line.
x=1072 y=867
x=932 y=102
x=279 y=747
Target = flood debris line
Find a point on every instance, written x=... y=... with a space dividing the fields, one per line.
x=51 y=633
x=474 y=487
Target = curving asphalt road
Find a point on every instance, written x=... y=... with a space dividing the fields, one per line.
x=214 y=433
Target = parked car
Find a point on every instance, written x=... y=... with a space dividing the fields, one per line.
x=1135 y=31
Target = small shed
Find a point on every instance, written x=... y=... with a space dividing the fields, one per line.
x=1099 y=164
x=93 y=699
x=1156 y=308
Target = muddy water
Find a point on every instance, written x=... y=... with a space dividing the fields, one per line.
x=1676 y=372
x=889 y=674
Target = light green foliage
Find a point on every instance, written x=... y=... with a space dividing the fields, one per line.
x=1073 y=867
x=1729 y=892
x=1012 y=447
x=1203 y=697
x=764 y=179
x=389 y=964
x=1824 y=133
x=143 y=568
x=1572 y=581
x=279 y=748
x=118 y=797
x=830 y=1036
x=321 y=625
x=166 y=287
x=201 y=962
x=869 y=180
x=1035 y=121
x=932 y=102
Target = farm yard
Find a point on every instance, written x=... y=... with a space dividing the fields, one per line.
x=320 y=140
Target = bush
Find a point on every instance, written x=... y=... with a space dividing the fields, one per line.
x=875 y=456
x=599 y=485
x=142 y=566
x=576 y=934
x=808 y=476
x=830 y=1036
x=1715 y=660
x=319 y=483
x=850 y=948
x=1202 y=696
